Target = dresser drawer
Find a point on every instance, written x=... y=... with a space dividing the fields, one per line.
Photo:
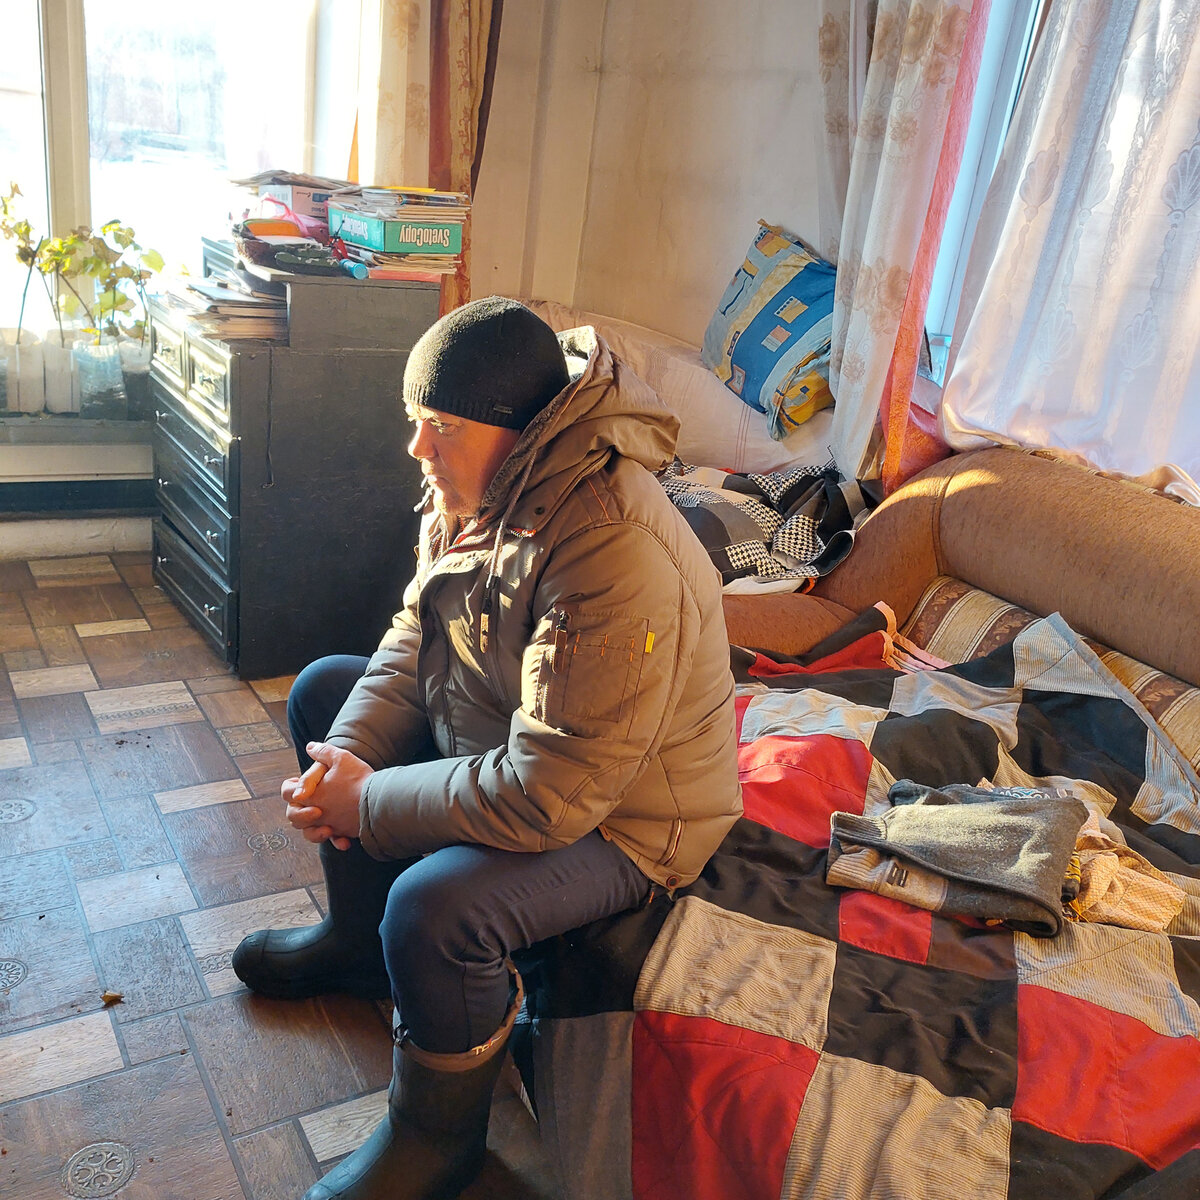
x=208 y=380
x=211 y=452
x=193 y=511
x=168 y=351
x=207 y=601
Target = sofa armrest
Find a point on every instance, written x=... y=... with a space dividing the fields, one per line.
x=895 y=555
x=1118 y=561
x=782 y=622
x=894 y=559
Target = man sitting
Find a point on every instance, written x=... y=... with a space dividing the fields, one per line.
x=545 y=733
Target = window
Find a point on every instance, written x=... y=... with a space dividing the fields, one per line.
x=153 y=108
x=23 y=151
x=183 y=98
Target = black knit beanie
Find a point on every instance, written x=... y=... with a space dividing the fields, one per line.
x=492 y=361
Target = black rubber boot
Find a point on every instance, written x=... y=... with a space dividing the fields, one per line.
x=341 y=954
x=432 y=1143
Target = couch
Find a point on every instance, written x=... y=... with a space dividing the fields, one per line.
x=1003 y=618
x=1117 y=560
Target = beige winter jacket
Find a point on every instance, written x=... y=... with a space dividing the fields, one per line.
x=567 y=653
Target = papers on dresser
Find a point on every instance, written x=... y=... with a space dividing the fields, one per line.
x=421 y=268
x=229 y=313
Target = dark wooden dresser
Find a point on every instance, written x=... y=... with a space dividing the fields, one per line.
x=286 y=497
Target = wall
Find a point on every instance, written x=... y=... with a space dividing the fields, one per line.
x=633 y=145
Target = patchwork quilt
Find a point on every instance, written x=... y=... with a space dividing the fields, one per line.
x=764 y=1034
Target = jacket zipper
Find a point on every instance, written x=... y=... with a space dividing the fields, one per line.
x=426 y=614
x=558 y=652
x=673 y=845
x=561 y=624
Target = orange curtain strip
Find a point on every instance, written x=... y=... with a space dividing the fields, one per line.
x=352 y=164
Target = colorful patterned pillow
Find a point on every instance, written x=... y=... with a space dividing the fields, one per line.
x=713 y=431
x=768 y=341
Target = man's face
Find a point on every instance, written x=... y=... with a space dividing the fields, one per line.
x=459 y=457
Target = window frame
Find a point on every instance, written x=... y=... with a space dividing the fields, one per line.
x=1011 y=35
x=65 y=104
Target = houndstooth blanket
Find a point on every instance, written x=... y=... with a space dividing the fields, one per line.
x=786 y=526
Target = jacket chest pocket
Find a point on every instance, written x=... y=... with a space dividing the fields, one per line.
x=589 y=678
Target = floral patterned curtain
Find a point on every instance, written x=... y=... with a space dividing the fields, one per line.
x=425 y=69
x=392 y=139
x=843 y=50
x=1078 y=326
x=465 y=38
x=904 y=139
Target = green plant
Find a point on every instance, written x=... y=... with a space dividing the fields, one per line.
x=100 y=273
x=17 y=228
x=118 y=269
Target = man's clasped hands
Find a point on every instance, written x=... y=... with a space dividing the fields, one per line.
x=323 y=802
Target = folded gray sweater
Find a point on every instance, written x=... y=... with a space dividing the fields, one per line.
x=996 y=854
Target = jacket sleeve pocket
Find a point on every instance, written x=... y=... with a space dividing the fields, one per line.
x=590 y=670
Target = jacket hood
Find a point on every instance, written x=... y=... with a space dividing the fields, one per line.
x=605 y=408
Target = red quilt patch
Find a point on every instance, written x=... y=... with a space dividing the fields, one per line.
x=714 y=1107
x=739 y=707
x=794 y=785
x=885 y=926
x=1089 y=1074
x=865 y=654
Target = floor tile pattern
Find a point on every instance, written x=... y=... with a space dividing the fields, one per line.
x=141 y=838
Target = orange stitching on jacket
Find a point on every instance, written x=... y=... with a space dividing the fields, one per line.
x=599 y=499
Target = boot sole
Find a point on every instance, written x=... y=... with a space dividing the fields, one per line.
x=359 y=986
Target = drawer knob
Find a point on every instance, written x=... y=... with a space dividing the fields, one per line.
x=162 y=483
x=211 y=536
x=159 y=415
x=209 y=609
x=211 y=460
x=161 y=560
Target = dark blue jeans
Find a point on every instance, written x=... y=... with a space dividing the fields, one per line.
x=454 y=916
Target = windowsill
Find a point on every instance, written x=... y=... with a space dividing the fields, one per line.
x=40 y=429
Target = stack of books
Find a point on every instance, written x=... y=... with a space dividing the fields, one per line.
x=230 y=310
x=229 y=314
x=400 y=233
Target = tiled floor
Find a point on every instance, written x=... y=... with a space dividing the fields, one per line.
x=140 y=838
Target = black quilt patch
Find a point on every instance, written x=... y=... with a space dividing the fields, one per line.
x=957 y=1031
x=1082 y=737
x=936 y=747
x=772 y=878
x=1047 y=1167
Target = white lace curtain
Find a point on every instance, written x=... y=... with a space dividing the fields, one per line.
x=1080 y=320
